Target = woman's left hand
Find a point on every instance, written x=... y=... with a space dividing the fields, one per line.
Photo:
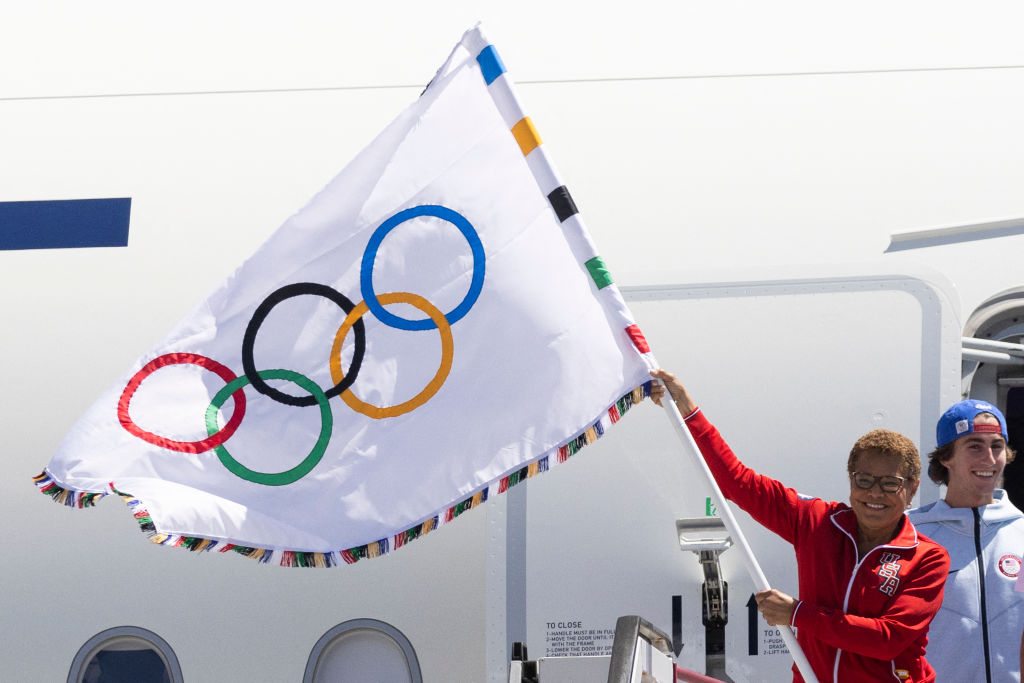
x=776 y=606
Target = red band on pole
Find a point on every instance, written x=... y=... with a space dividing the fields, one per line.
x=638 y=338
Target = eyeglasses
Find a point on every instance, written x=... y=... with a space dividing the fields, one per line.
x=863 y=480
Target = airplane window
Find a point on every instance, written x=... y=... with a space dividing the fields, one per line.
x=125 y=654
x=363 y=651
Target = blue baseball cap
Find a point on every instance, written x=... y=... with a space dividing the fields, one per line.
x=958 y=421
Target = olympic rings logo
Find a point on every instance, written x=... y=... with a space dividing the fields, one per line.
x=372 y=302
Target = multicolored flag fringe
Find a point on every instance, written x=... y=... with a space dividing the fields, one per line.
x=434 y=327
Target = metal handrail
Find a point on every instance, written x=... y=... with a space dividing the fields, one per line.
x=628 y=631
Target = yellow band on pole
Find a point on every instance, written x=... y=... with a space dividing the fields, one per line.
x=526 y=135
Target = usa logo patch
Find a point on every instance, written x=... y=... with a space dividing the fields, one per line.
x=1009 y=566
x=888 y=571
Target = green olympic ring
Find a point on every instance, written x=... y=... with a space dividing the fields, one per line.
x=273 y=478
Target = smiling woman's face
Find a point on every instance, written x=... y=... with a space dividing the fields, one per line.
x=878 y=512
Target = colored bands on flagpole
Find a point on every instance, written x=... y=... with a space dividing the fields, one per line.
x=492 y=68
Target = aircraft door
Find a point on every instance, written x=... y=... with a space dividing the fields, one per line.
x=993 y=370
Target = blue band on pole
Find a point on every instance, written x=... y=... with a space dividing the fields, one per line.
x=490 y=64
x=64 y=224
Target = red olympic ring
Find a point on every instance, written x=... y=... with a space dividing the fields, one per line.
x=149 y=368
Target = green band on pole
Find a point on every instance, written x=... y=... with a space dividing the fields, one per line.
x=598 y=271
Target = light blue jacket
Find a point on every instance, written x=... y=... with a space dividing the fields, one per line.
x=992 y=537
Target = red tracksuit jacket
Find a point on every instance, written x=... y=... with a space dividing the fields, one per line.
x=857 y=620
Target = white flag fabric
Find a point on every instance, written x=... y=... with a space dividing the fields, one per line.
x=433 y=327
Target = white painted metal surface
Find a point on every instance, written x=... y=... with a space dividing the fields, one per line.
x=716 y=150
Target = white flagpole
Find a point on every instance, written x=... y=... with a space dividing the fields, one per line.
x=549 y=181
x=725 y=513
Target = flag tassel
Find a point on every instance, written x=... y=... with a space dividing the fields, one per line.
x=299 y=558
x=69 y=497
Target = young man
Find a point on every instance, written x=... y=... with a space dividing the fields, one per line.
x=976 y=635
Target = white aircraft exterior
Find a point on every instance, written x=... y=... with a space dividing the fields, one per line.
x=806 y=207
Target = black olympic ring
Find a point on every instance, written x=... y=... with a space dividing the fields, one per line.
x=249 y=341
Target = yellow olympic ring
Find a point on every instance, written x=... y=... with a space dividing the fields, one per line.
x=447 y=354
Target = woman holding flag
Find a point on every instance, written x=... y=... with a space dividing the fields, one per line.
x=869 y=584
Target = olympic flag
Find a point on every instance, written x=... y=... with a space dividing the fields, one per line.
x=433 y=327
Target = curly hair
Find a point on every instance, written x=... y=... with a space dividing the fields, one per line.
x=891 y=444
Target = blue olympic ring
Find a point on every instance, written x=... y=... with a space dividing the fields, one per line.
x=317 y=396
x=370 y=256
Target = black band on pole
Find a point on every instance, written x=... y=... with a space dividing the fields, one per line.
x=562 y=203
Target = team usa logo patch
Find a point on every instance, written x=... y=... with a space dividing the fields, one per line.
x=1009 y=566
x=888 y=573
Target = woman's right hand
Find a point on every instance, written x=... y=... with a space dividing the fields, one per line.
x=675 y=389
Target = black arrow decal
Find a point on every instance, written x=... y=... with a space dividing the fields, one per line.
x=677 y=624
x=752 y=626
